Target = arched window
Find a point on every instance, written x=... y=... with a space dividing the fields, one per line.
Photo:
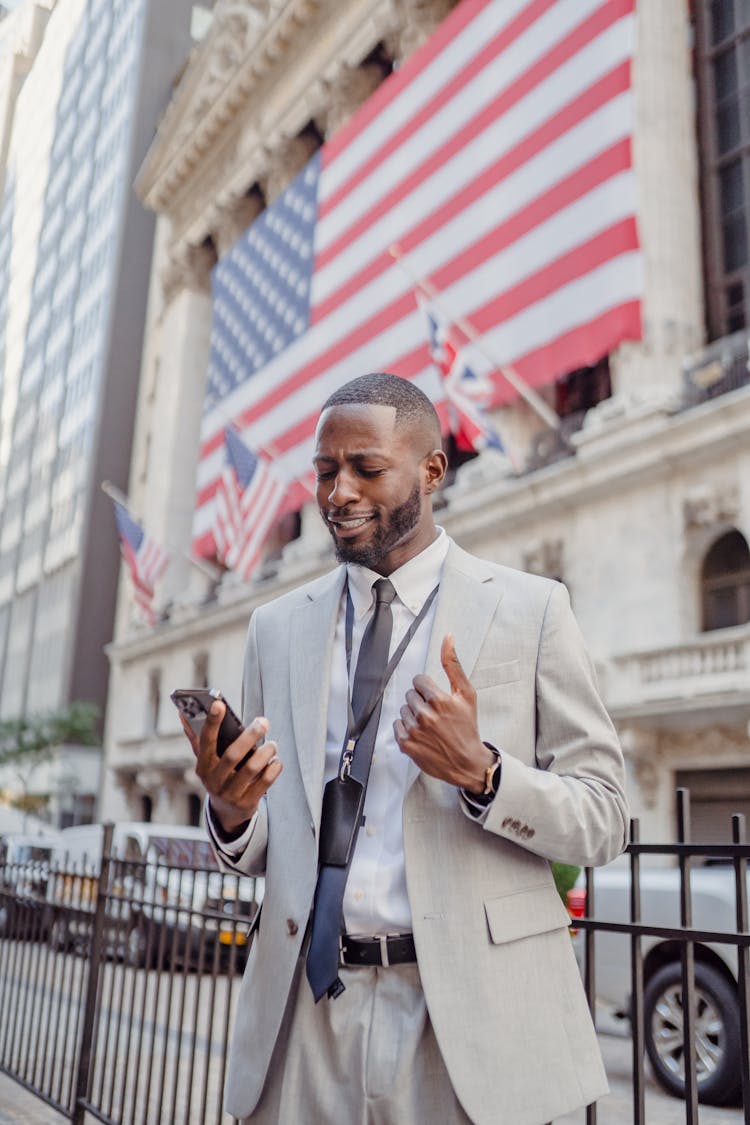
x=725 y=582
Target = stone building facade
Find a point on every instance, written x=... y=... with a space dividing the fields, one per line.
x=644 y=516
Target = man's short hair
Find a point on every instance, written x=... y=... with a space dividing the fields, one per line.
x=412 y=406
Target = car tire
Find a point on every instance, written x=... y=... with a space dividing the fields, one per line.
x=717 y=1023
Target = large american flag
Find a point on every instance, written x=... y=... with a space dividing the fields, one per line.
x=499 y=159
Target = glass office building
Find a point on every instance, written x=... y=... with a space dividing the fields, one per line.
x=74 y=298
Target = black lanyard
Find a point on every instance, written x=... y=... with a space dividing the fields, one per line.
x=356 y=726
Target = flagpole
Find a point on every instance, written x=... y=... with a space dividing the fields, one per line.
x=535 y=401
x=210 y=571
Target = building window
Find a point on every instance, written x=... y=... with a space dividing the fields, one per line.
x=200 y=670
x=725 y=582
x=147 y=808
x=723 y=76
x=154 y=700
x=195 y=809
x=582 y=389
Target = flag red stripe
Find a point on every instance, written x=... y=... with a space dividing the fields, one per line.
x=583 y=345
x=596 y=96
x=444 y=95
x=543 y=68
x=451 y=26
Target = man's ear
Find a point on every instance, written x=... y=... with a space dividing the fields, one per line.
x=435 y=467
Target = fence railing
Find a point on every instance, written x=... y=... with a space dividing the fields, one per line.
x=684 y=1037
x=118 y=982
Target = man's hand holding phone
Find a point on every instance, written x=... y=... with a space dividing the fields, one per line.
x=237 y=778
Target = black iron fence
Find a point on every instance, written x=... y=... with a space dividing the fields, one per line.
x=118 y=980
x=684 y=985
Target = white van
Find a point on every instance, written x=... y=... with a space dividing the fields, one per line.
x=24 y=877
x=167 y=899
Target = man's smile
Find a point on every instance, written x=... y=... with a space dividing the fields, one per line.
x=347 y=524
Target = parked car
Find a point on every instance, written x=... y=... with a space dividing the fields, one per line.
x=717 y=1014
x=167 y=900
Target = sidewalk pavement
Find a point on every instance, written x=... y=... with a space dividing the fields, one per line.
x=19 y=1107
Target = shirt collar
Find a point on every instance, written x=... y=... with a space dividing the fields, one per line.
x=413 y=581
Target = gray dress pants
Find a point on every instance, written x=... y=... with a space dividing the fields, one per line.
x=369 y=1057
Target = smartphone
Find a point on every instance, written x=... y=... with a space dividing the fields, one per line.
x=195 y=703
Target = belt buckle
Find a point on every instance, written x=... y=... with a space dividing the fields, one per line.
x=383 y=939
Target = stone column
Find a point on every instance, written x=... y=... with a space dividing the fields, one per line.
x=665 y=157
x=166 y=450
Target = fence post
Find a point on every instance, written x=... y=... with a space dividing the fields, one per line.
x=636 y=970
x=688 y=962
x=83 y=1070
x=743 y=960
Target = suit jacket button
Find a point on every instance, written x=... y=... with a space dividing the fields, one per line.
x=291 y=926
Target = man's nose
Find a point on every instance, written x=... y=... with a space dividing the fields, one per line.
x=344 y=490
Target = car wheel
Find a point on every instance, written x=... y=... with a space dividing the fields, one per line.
x=717 y=1033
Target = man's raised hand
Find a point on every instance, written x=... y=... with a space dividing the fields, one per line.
x=439 y=729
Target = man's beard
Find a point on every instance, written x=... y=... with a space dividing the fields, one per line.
x=386 y=536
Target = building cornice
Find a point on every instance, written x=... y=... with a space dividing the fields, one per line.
x=260 y=75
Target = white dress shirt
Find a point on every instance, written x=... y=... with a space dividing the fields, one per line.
x=376 y=901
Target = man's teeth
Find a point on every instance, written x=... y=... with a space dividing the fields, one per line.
x=359 y=522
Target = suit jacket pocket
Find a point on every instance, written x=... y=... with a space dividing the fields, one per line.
x=534 y=910
x=494 y=674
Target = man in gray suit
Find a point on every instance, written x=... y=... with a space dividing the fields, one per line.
x=416 y=965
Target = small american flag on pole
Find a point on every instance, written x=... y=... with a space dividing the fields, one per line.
x=499 y=159
x=145 y=559
x=248 y=502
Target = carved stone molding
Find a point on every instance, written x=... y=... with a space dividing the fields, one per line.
x=642 y=750
x=247 y=41
x=188 y=267
x=417 y=20
x=545 y=557
x=352 y=87
x=233 y=218
x=707 y=506
x=286 y=163
x=719 y=745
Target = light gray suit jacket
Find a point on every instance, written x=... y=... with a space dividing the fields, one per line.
x=495 y=957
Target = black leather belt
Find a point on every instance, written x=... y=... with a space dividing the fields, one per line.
x=393 y=949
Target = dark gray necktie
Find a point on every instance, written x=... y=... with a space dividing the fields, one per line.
x=323 y=954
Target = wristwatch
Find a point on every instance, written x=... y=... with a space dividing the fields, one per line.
x=491 y=776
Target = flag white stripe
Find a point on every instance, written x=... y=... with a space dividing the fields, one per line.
x=599 y=58
x=421 y=90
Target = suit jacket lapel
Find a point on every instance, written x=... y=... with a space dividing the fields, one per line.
x=468 y=598
x=313 y=629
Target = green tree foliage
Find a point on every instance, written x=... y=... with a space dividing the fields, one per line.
x=565 y=877
x=34 y=738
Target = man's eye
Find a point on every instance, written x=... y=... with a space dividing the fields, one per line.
x=325 y=474
x=371 y=472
